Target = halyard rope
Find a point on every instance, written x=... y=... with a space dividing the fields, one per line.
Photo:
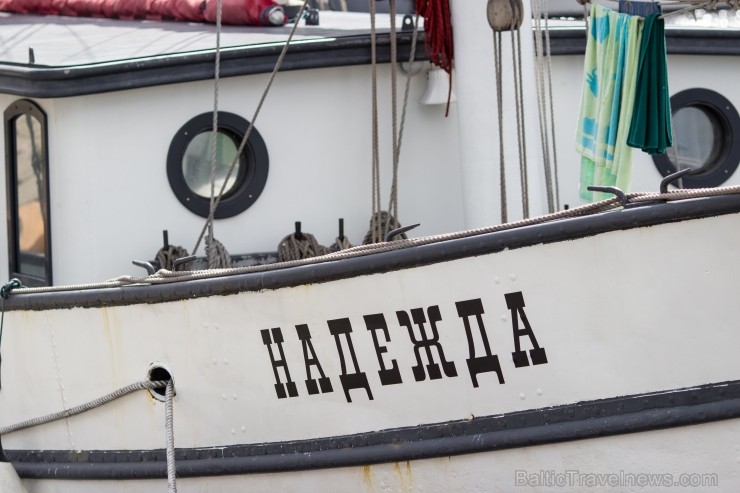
x=165 y=276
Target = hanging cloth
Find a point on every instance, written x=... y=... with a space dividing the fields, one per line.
x=608 y=80
x=651 y=119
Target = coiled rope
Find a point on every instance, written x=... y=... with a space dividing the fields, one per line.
x=295 y=247
x=166 y=257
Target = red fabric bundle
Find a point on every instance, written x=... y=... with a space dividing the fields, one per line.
x=238 y=12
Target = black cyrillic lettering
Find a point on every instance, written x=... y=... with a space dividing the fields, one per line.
x=427 y=343
x=478 y=364
x=515 y=302
x=311 y=385
x=280 y=388
x=358 y=379
x=374 y=323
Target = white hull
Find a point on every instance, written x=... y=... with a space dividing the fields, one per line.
x=645 y=334
x=540 y=357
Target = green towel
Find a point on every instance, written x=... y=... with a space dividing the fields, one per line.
x=651 y=119
x=609 y=75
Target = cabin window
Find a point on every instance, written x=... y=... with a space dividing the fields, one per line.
x=706 y=138
x=27 y=173
x=189 y=165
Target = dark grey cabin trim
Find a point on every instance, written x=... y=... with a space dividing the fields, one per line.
x=54 y=82
x=590 y=419
x=41 y=81
x=572 y=41
x=563 y=230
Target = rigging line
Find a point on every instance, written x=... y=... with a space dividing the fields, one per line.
x=393 y=208
x=516 y=49
x=539 y=77
x=548 y=56
x=499 y=103
x=412 y=57
x=376 y=236
x=210 y=252
x=243 y=143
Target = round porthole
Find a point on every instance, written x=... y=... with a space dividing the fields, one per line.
x=189 y=165
x=706 y=138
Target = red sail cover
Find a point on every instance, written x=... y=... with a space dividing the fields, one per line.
x=238 y=12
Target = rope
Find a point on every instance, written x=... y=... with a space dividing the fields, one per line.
x=84 y=407
x=540 y=81
x=548 y=55
x=243 y=143
x=393 y=203
x=166 y=257
x=500 y=107
x=340 y=243
x=380 y=224
x=214 y=132
x=296 y=248
x=519 y=100
x=374 y=117
x=218 y=256
x=393 y=207
x=165 y=276
x=438 y=42
x=170 y=436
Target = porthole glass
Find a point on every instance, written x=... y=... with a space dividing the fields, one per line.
x=189 y=165
x=196 y=164
x=706 y=139
x=698 y=134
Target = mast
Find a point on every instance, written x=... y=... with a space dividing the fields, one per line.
x=475 y=86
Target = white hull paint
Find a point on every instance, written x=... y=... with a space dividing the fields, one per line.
x=611 y=311
x=633 y=314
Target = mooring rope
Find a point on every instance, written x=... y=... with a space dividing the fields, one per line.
x=170 y=436
x=145 y=385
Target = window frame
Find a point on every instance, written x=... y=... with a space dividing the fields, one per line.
x=250 y=181
x=16 y=110
x=728 y=158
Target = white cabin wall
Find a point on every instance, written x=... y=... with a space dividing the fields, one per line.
x=476 y=92
x=111 y=196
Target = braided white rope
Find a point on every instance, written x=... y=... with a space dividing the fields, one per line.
x=170 y=437
x=83 y=407
x=166 y=276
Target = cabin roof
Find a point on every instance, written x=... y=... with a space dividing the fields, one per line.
x=59 y=41
x=80 y=55
x=56 y=56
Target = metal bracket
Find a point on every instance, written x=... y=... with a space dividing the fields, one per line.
x=673 y=177
x=395 y=232
x=612 y=190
